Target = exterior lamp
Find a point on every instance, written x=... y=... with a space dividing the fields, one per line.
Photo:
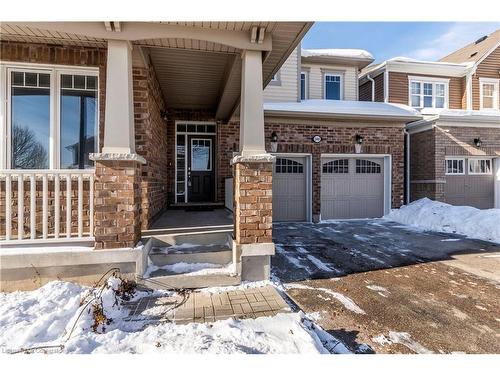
x=274 y=142
x=163 y=115
x=478 y=142
x=359 y=142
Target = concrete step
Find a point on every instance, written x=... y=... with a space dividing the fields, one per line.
x=190 y=281
x=215 y=254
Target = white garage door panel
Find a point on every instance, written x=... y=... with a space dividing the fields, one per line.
x=289 y=189
x=350 y=190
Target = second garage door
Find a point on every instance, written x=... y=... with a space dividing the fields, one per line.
x=352 y=188
x=469 y=182
x=289 y=189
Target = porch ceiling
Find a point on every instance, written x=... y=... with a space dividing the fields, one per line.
x=197 y=63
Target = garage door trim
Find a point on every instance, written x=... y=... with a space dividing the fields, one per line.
x=387 y=159
x=308 y=175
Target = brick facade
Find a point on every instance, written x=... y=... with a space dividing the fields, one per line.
x=429 y=150
x=338 y=137
x=253 y=213
x=151 y=142
x=117 y=204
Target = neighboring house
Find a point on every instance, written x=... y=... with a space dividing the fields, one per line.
x=454 y=151
x=158 y=116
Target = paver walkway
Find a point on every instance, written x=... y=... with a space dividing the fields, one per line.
x=203 y=307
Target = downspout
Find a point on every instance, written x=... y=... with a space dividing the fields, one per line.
x=468 y=90
x=386 y=86
x=373 y=86
x=407 y=162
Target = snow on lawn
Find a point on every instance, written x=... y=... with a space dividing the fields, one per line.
x=431 y=215
x=47 y=316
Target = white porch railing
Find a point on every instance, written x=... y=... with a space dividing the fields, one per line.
x=40 y=205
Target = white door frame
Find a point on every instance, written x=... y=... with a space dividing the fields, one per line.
x=496 y=177
x=308 y=174
x=387 y=173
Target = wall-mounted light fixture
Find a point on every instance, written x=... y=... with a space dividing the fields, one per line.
x=164 y=115
x=478 y=142
x=357 y=145
x=274 y=142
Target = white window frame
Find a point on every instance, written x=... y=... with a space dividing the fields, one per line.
x=480 y=173
x=452 y=173
x=489 y=81
x=433 y=81
x=55 y=72
x=333 y=74
x=306 y=82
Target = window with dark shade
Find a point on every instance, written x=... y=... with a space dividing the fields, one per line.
x=78 y=114
x=332 y=87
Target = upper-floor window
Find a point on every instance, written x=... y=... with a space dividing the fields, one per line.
x=333 y=86
x=428 y=94
x=52 y=118
x=303 y=86
x=488 y=93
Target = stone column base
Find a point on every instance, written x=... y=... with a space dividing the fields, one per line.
x=253 y=213
x=117 y=200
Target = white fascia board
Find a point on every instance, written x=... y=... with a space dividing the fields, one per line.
x=373 y=73
x=421 y=125
x=437 y=69
x=323 y=115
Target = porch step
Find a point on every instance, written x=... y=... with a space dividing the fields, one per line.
x=215 y=254
x=190 y=281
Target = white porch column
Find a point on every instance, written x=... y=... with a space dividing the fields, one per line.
x=496 y=176
x=252 y=138
x=119 y=114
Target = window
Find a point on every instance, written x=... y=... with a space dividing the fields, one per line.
x=53 y=118
x=288 y=166
x=336 y=166
x=479 y=166
x=333 y=89
x=428 y=94
x=30 y=120
x=303 y=86
x=488 y=93
x=454 y=166
x=367 y=166
x=78 y=120
x=201 y=150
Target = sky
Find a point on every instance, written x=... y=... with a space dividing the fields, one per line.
x=418 y=40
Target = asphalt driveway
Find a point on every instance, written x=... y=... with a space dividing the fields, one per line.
x=383 y=287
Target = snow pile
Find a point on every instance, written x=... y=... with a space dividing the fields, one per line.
x=46 y=316
x=431 y=215
x=348 y=53
x=191 y=268
x=344 y=108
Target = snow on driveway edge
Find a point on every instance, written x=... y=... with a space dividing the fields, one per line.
x=427 y=214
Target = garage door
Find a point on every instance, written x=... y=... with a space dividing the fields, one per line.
x=469 y=182
x=289 y=189
x=352 y=188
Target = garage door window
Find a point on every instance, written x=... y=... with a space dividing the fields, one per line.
x=367 y=166
x=336 y=166
x=288 y=166
x=479 y=166
x=455 y=166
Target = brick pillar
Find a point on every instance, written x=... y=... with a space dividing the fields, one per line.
x=253 y=215
x=117 y=203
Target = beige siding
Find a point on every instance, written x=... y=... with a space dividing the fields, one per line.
x=287 y=88
x=316 y=72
